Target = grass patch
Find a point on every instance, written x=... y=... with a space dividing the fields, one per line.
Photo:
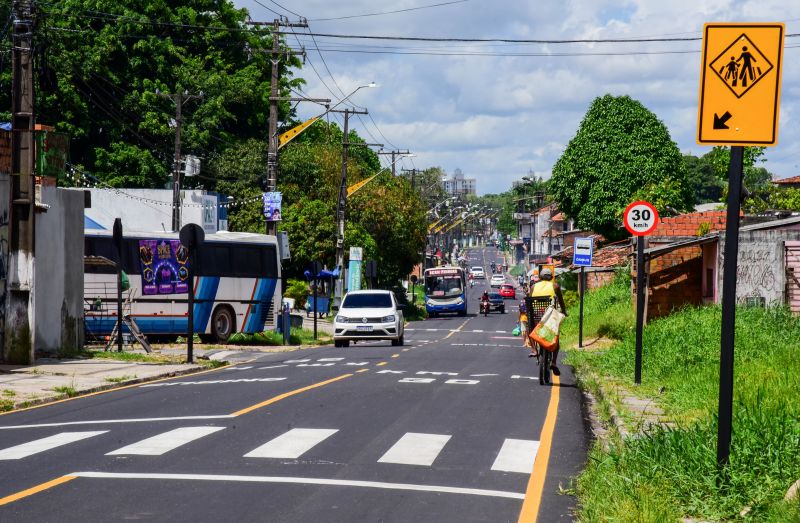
x=9 y=393
x=607 y=312
x=129 y=356
x=67 y=391
x=6 y=405
x=667 y=474
x=272 y=338
x=120 y=379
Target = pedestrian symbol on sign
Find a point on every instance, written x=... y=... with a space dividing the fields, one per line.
x=741 y=65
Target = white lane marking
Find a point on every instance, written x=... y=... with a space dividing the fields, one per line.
x=241 y=368
x=210 y=382
x=432 y=330
x=387 y=371
x=41 y=445
x=292 y=444
x=416 y=380
x=105 y=421
x=500 y=332
x=316 y=365
x=518 y=377
x=330 y=359
x=516 y=455
x=462 y=382
x=305 y=481
x=163 y=443
x=480 y=375
x=298 y=361
x=436 y=373
x=272 y=367
x=477 y=330
x=415 y=448
x=357 y=363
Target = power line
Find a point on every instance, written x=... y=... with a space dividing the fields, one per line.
x=388 y=12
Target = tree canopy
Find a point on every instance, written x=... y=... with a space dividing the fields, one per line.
x=621 y=151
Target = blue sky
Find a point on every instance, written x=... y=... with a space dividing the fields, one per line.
x=499 y=117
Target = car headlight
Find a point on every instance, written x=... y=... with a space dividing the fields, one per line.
x=340 y=319
x=459 y=301
x=388 y=319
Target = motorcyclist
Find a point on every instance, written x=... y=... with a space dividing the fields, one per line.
x=485 y=299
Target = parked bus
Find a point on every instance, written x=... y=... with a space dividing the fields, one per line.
x=236 y=284
x=445 y=290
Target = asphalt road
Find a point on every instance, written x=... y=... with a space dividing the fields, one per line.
x=453 y=426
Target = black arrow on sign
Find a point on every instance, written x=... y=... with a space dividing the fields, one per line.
x=719 y=121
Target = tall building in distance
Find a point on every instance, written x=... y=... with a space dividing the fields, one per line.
x=457 y=185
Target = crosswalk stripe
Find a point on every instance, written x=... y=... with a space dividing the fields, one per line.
x=516 y=455
x=163 y=443
x=40 y=445
x=292 y=444
x=416 y=449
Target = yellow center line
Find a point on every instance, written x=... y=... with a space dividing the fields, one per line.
x=35 y=490
x=395 y=355
x=362 y=370
x=533 y=494
x=458 y=329
x=381 y=364
x=288 y=394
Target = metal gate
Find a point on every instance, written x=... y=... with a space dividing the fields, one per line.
x=792 y=257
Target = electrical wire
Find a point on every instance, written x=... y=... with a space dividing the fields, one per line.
x=387 y=12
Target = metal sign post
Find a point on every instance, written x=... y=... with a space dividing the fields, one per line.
x=582 y=253
x=729 y=306
x=117 y=235
x=192 y=237
x=641 y=219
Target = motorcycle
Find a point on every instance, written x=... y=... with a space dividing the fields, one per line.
x=471 y=283
x=485 y=307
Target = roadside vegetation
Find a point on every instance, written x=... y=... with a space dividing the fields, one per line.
x=272 y=338
x=668 y=473
x=162 y=359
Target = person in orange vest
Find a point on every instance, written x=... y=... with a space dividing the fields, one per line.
x=547 y=287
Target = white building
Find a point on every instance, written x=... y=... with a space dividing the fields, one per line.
x=457 y=185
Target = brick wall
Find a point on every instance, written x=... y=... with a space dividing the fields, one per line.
x=676 y=279
x=5 y=152
x=690 y=224
x=596 y=279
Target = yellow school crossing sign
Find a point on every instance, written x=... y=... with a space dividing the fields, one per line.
x=740 y=84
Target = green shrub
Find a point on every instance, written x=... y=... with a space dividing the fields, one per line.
x=298 y=291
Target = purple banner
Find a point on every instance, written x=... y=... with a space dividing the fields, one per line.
x=165 y=268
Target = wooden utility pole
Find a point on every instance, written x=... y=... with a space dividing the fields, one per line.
x=179 y=99
x=272 y=139
x=19 y=333
x=394 y=154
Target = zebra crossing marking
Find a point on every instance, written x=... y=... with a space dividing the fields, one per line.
x=516 y=455
x=292 y=444
x=50 y=442
x=415 y=448
x=164 y=442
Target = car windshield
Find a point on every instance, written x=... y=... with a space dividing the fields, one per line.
x=367 y=301
x=477 y=269
x=495 y=296
x=443 y=286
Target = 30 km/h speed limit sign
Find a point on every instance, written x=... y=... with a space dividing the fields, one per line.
x=640 y=218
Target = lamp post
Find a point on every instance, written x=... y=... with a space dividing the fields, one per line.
x=342 y=202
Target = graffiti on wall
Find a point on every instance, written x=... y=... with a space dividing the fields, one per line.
x=759 y=272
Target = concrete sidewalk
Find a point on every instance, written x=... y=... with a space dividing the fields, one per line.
x=52 y=379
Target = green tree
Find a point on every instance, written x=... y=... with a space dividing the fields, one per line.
x=620 y=148
x=702 y=175
x=756 y=179
x=104 y=66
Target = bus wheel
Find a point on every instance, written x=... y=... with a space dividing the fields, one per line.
x=222 y=323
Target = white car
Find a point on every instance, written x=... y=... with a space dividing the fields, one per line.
x=477 y=273
x=368 y=315
x=497 y=280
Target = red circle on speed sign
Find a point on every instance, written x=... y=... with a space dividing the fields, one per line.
x=640 y=218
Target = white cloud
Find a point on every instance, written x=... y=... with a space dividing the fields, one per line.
x=497 y=117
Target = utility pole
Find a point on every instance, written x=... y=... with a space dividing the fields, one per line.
x=393 y=155
x=19 y=332
x=413 y=176
x=342 y=202
x=179 y=99
x=274 y=98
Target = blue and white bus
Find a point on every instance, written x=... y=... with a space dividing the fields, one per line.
x=237 y=284
x=445 y=290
